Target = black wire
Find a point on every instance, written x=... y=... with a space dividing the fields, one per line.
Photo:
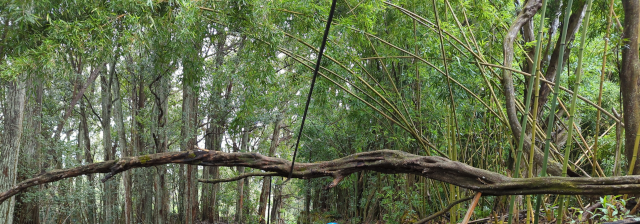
x=313 y=82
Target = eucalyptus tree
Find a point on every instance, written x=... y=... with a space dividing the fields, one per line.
x=13 y=92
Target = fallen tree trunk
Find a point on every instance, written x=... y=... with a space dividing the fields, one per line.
x=384 y=161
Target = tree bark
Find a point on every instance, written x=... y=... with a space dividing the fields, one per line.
x=125 y=151
x=214 y=133
x=266 y=181
x=27 y=206
x=383 y=161
x=630 y=79
x=190 y=81
x=110 y=191
x=276 y=203
x=85 y=143
x=10 y=144
x=160 y=89
x=240 y=189
x=141 y=177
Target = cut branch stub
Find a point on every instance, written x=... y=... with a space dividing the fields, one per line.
x=384 y=161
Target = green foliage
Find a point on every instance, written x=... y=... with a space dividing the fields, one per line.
x=613 y=208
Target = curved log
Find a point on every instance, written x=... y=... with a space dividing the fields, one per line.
x=384 y=161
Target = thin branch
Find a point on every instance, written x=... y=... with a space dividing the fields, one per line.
x=441 y=212
x=245 y=175
x=92 y=110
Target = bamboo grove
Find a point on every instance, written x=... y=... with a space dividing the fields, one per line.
x=170 y=111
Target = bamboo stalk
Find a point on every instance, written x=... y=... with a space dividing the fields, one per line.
x=602 y=72
x=467 y=217
x=578 y=74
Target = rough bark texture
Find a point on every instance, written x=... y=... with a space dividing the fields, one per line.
x=213 y=137
x=383 y=161
x=276 y=202
x=27 y=209
x=10 y=143
x=190 y=80
x=160 y=89
x=85 y=143
x=266 y=181
x=240 y=188
x=124 y=147
x=213 y=140
x=110 y=189
x=141 y=178
x=630 y=77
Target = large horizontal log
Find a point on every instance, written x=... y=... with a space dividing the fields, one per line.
x=384 y=161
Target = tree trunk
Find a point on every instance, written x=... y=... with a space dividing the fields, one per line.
x=213 y=141
x=630 y=80
x=277 y=202
x=307 y=203
x=10 y=144
x=110 y=189
x=213 y=136
x=266 y=181
x=26 y=205
x=247 y=207
x=188 y=132
x=141 y=180
x=240 y=200
x=160 y=89
x=85 y=143
x=125 y=151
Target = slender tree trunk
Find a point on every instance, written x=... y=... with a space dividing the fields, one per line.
x=188 y=132
x=307 y=203
x=213 y=141
x=213 y=137
x=247 y=207
x=277 y=202
x=27 y=207
x=266 y=181
x=10 y=144
x=630 y=81
x=88 y=157
x=141 y=180
x=240 y=200
x=110 y=187
x=118 y=115
x=160 y=91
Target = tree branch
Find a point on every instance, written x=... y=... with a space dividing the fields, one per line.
x=529 y=10
x=441 y=212
x=384 y=161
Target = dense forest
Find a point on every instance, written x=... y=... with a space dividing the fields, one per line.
x=281 y=111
